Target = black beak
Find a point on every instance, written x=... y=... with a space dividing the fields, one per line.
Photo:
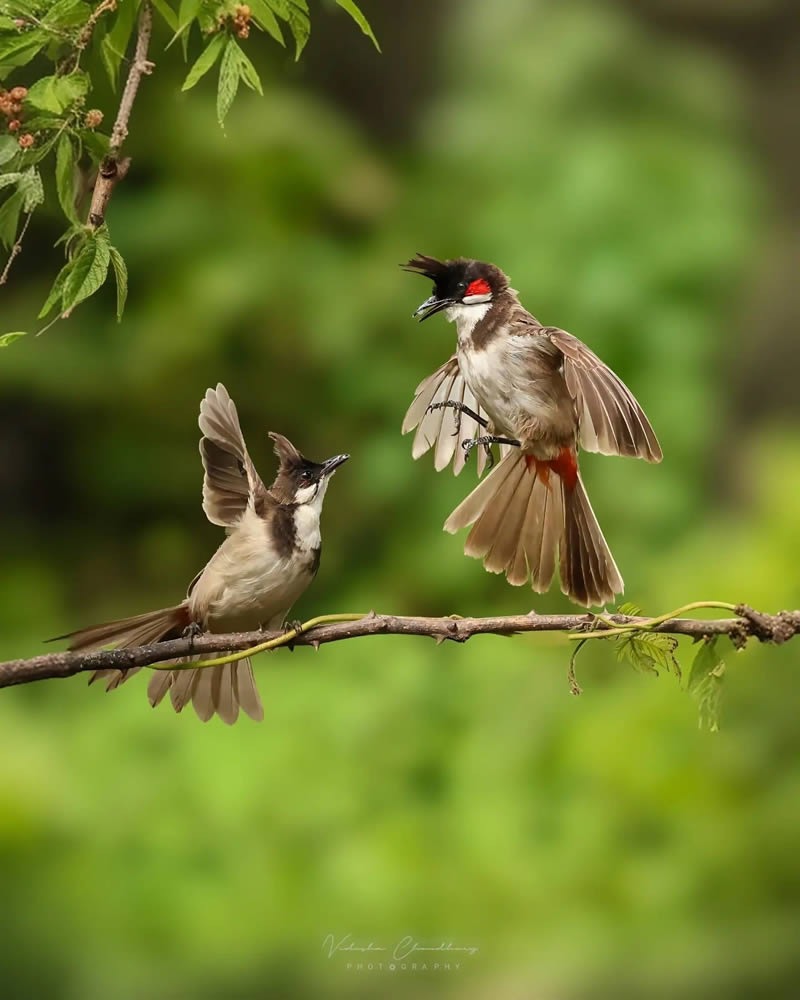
x=431 y=306
x=332 y=464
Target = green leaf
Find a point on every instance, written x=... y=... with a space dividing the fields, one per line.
x=167 y=13
x=228 y=80
x=629 y=610
x=354 y=12
x=207 y=59
x=121 y=278
x=67 y=14
x=9 y=338
x=648 y=651
x=705 y=682
x=65 y=176
x=9 y=147
x=295 y=13
x=95 y=143
x=247 y=70
x=9 y=218
x=706 y=661
x=57 y=93
x=18 y=50
x=187 y=13
x=266 y=20
x=89 y=271
x=30 y=187
x=55 y=294
x=115 y=44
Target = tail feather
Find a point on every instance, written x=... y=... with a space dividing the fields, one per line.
x=139 y=630
x=588 y=570
x=524 y=515
x=219 y=690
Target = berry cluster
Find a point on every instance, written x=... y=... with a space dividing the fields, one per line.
x=11 y=109
x=241 y=20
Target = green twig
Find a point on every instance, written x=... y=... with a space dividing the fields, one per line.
x=262 y=647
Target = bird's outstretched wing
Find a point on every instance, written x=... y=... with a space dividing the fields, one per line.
x=611 y=420
x=231 y=481
x=444 y=429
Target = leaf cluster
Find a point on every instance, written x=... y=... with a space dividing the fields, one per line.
x=65 y=141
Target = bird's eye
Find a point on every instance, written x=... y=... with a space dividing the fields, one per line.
x=461 y=286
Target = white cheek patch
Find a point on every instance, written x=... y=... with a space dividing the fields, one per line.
x=475 y=300
x=305 y=494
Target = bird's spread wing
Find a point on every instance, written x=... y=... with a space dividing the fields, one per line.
x=231 y=481
x=444 y=429
x=611 y=420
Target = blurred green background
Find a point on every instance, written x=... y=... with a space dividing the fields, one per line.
x=633 y=167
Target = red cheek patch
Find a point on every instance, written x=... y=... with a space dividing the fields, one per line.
x=478 y=287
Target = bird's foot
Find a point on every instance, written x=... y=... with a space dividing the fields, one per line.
x=486 y=441
x=452 y=404
x=292 y=626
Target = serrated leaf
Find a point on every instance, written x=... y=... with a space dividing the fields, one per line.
x=9 y=218
x=167 y=13
x=228 y=80
x=9 y=147
x=89 y=271
x=115 y=44
x=31 y=189
x=706 y=661
x=247 y=71
x=57 y=93
x=206 y=60
x=265 y=19
x=354 y=12
x=629 y=610
x=705 y=683
x=121 y=278
x=55 y=294
x=648 y=651
x=65 y=176
x=18 y=50
x=9 y=338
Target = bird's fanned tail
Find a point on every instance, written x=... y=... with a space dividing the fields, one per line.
x=528 y=512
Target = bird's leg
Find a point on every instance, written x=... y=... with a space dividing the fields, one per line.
x=459 y=408
x=487 y=440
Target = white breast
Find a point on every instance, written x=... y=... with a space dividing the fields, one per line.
x=248 y=583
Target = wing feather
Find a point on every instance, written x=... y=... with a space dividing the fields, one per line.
x=612 y=421
x=444 y=429
x=231 y=481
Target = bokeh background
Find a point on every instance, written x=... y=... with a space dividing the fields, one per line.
x=634 y=167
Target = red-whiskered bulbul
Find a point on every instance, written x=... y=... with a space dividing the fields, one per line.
x=539 y=393
x=270 y=556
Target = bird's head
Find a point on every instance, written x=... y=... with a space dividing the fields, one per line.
x=299 y=480
x=460 y=282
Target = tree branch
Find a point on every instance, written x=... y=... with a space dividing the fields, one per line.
x=113 y=169
x=747 y=624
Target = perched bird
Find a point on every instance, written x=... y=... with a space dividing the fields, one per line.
x=539 y=393
x=270 y=556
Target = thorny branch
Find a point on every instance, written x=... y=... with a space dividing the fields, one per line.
x=113 y=169
x=746 y=624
